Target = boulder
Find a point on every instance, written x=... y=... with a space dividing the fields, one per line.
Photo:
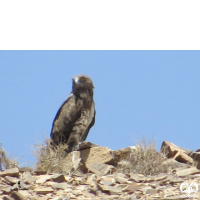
x=100 y=155
x=123 y=154
x=178 y=153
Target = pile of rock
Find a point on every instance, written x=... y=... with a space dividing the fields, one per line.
x=92 y=175
x=180 y=154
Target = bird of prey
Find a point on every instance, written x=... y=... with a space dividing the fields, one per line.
x=76 y=115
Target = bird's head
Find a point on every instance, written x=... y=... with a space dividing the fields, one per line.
x=83 y=85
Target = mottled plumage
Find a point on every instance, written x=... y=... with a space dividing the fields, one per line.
x=76 y=115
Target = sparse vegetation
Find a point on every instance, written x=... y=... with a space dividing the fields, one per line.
x=49 y=157
x=5 y=161
x=145 y=160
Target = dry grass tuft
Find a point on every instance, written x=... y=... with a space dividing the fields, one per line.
x=49 y=156
x=5 y=162
x=145 y=160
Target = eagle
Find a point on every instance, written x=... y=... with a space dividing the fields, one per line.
x=76 y=115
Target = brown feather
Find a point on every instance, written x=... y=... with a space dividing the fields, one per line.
x=76 y=115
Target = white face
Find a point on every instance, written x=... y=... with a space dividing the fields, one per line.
x=76 y=80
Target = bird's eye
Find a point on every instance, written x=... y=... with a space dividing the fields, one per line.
x=82 y=78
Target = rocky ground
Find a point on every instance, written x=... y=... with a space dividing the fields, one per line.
x=93 y=172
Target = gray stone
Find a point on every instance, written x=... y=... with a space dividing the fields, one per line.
x=179 y=154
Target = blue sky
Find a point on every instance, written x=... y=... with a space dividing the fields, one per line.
x=150 y=93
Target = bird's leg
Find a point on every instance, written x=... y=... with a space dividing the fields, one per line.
x=71 y=146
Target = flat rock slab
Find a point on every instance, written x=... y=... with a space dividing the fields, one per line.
x=43 y=179
x=110 y=189
x=11 y=180
x=44 y=190
x=120 y=179
x=14 y=172
x=137 y=177
x=54 y=177
x=159 y=177
x=100 y=169
x=189 y=171
x=107 y=180
x=62 y=186
x=131 y=187
x=86 y=145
